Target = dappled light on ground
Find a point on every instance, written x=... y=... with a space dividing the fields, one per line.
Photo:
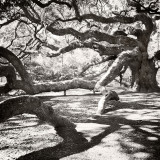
x=128 y=132
x=22 y=134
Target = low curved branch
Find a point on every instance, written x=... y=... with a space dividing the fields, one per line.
x=5 y=53
x=27 y=85
x=15 y=61
x=55 y=86
x=65 y=85
x=32 y=105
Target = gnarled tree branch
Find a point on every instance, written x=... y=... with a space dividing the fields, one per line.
x=32 y=105
x=100 y=48
x=14 y=60
x=124 y=58
x=65 y=85
x=99 y=36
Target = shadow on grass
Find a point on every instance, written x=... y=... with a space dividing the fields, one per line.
x=74 y=142
x=141 y=138
x=143 y=142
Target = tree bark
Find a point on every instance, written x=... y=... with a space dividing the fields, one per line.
x=32 y=105
x=146 y=81
x=65 y=85
x=124 y=59
x=15 y=61
x=54 y=86
x=9 y=73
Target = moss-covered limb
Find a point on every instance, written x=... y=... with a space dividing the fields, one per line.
x=51 y=86
x=65 y=85
x=124 y=59
x=32 y=105
x=45 y=87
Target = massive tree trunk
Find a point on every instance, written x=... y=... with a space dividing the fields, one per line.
x=146 y=81
x=143 y=71
x=143 y=77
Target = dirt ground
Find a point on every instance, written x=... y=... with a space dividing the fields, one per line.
x=125 y=133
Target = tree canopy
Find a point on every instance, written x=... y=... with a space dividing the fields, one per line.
x=85 y=24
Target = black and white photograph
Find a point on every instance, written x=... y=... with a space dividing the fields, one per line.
x=79 y=80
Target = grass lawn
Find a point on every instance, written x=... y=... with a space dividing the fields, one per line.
x=124 y=133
